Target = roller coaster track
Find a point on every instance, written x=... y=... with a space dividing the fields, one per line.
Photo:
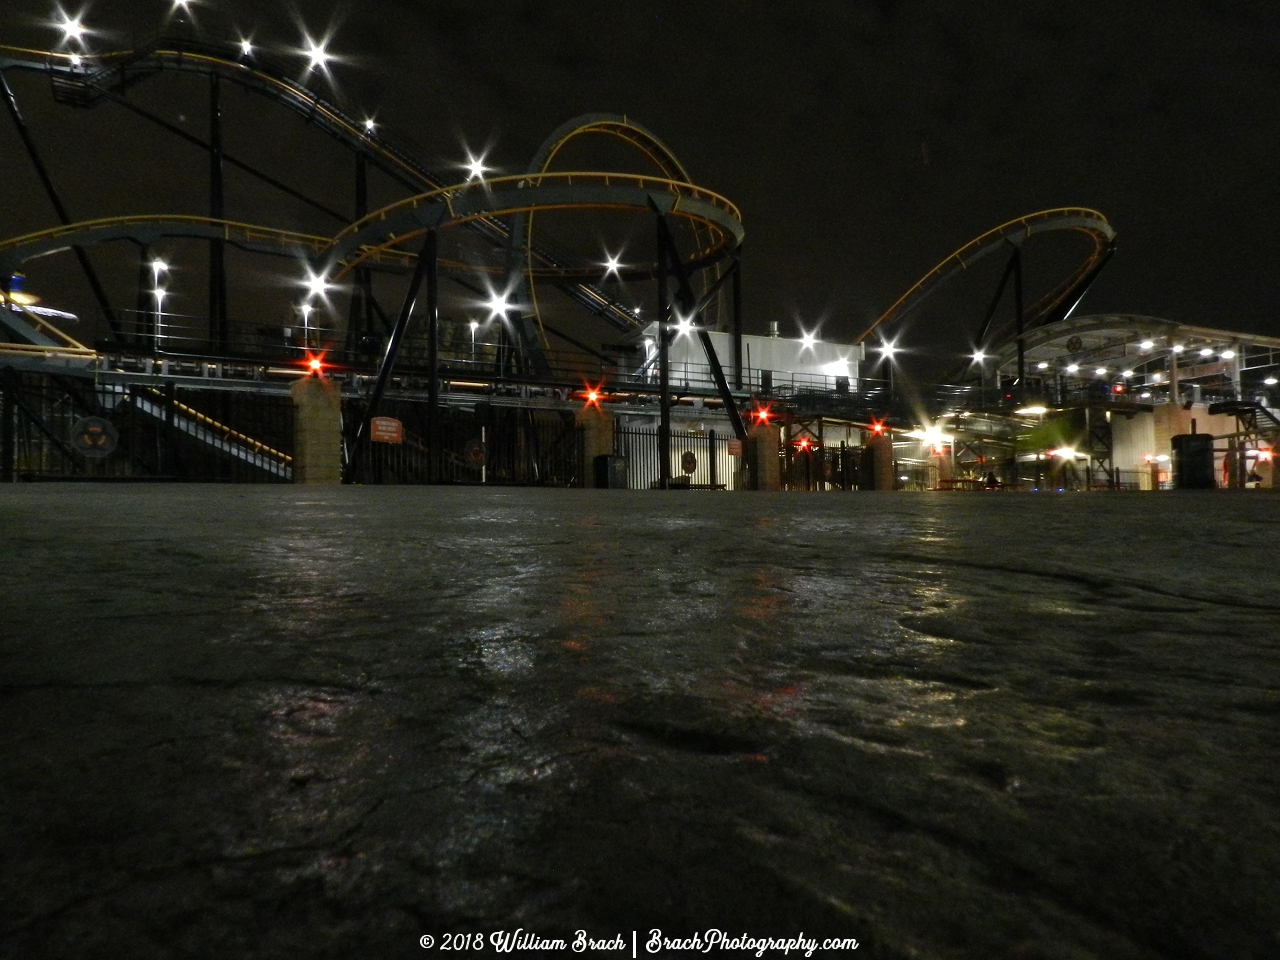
x=87 y=80
x=1055 y=304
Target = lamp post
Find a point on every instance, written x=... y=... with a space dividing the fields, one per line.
x=887 y=350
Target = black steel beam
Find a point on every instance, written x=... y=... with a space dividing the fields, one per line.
x=434 y=458
x=664 y=363
x=218 y=332
x=426 y=262
x=228 y=158
x=94 y=284
x=737 y=320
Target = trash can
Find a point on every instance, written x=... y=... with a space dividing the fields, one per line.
x=1193 y=461
x=611 y=472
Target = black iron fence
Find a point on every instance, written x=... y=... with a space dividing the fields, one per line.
x=485 y=444
x=64 y=428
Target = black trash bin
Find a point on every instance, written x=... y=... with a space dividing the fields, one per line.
x=1193 y=461
x=611 y=472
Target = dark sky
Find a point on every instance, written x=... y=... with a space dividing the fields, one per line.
x=863 y=139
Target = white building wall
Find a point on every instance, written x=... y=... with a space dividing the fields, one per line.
x=790 y=361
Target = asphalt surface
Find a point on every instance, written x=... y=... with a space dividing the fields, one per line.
x=272 y=722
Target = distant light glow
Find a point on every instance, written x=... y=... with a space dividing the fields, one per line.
x=932 y=435
x=1178 y=348
x=1145 y=395
x=1271 y=381
x=159 y=293
x=1066 y=453
x=317 y=53
x=370 y=125
x=1072 y=368
x=887 y=349
x=611 y=263
x=1146 y=344
x=315 y=364
x=1155 y=378
x=807 y=340
x=158 y=267
x=1101 y=371
x=246 y=48
x=1126 y=373
x=1035 y=410
x=1228 y=354
x=1206 y=352
x=75 y=60
x=636 y=311
x=498 y=305
x=73 y=29
x=475 y=167
x=316 y=285
x=1042 y=365
x=836 y=368
x=684 y=326
x=978 y=356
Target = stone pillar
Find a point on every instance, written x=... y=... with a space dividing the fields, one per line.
x=317 y=431
x=765 y=447
x=597 y=437
x=880 y=448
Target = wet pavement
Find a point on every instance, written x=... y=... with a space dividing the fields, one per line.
x=289 y=722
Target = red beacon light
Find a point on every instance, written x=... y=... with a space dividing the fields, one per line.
x=877 y=426
x=315 y=365
x=762 y=414
x=593 y=395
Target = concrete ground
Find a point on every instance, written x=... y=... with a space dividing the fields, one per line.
x=269 y=722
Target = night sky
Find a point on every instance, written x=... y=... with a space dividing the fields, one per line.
x=863 y=141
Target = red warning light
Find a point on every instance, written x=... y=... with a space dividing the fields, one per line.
x=762 y=414
x=877 y=426
x=1265 y=454
x=804 y=444
x=315 y=365
x=592 y=394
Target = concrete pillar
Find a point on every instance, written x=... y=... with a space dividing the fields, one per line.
x=597 y=437
x=765 y=448
x=880 y=448
x=317 y=431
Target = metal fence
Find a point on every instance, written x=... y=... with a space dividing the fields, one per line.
x=707 y=453
x=486 y=444
x=63 y=428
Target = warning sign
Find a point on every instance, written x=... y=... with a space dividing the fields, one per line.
x=688 y=461
x=735 y=447
x=386 y=430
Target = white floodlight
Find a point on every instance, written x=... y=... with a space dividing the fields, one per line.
x=1206 y=352
x=498 y=305
x=684 y=326
x=1101 y=371
x=475 y=167
x=1126 y=373
x=1146 y=344
x=1073 y=367
x=316 y=285
x=1035 y=410
x=807 y=340
x=73 y=29
x=158 y=267
x=1178 y=348
x=1271 y=381
x=978 y=356
x=370 y=125
x=1228 y=354
x=317 y=54
x=246 y=48
x=1042 y=365
x=611 y=263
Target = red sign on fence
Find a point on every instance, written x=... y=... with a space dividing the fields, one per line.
x=386 y=430
x=735 y=447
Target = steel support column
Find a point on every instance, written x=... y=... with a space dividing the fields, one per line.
x=664 y=365
x=94 y=284
x=218 y=332
x=435 y=460
x=1022 y=347
x=426 y=263
x=737 y=322
x=7 y=427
